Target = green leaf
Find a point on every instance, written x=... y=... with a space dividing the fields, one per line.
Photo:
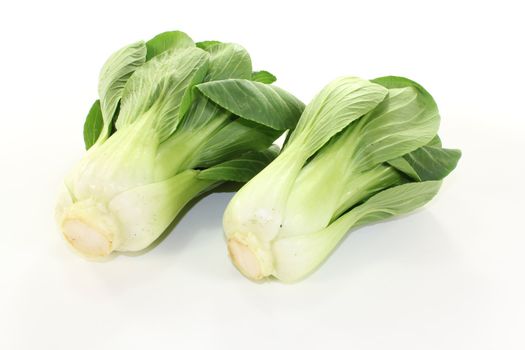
x=93 y=125
x=264 y=77
x=397 y=200
x=335 y=107
x=205 y=45
x=167 y=41
x=404 y=167
x=161 y=89
x=234 y=139
x=201 y=112
x=364 y=185
x=435 y=142
x=395 y=82
x=427 y=163
x=113 y=77
x=241 y=169
x=228 y=61
x=261 y=103
x=406 y=120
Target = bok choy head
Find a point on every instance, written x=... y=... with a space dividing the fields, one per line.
x=362 y=151
x=156 y=140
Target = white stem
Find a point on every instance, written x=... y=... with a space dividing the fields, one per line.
x=250 y=257
x=90 y=228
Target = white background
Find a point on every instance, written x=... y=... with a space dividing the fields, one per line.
x=450 y=276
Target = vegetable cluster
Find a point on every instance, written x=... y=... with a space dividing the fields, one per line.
x=175 y=119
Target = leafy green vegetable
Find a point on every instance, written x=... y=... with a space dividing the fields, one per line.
x=156 y=140
x=362 y=151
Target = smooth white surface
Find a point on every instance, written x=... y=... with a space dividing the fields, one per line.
x=450 y=276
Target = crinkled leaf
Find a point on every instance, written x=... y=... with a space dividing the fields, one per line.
x=264 y=77
x=201 y=112
x=162 y=87
x=364 y=185
x=406 y=120
x=397 y=200
x=264 y=104
x=113 y=77
x=427 y=163
x=234 y=139
x=404 y=167
x=93 y=125
x=241 y=169
x=167 y=41
x=205 y=45
x=228 y=61
x=335 y=107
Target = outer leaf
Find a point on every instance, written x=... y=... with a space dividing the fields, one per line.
x=234 y=139
x=427 y=163
x=406 y=120
x=364 y=185
x=394 y=82
x=93 y=125
x=435 y=142
x=261 y=103
x=205 y=45
x=397 y=200
x=167 y=41
x=297 y=256
x=113 y=77
x=335 y=107
x=241 y=169
x=162 y=87
x=201 y=112
x=264 y=77
x=404 y=167
x=228 y=61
